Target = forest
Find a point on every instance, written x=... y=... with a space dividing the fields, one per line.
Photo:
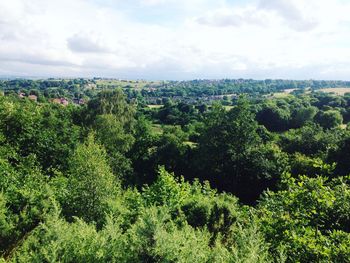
x=248 y=178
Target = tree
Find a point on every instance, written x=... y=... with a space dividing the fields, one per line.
x=342 y=157
x=329 y=119
x=231 y=154
x=303 y=115
x=309 y=217
x=171 y=150
x=142 y=153
x=91 y=182
x=26 y=200
x=113 y=119
x=45 y=130
x=116 y=140
x=274 y=118
x=310 y=139
x=112 y=103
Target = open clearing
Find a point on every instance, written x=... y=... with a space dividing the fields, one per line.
x=281 y=95
x=154 y=106
x=228 y=107
x=338 y=91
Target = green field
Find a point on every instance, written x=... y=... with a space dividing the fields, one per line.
x=228 y=107
x=154 y=106
x=281 y=95
x=284 y=93
x=157 y=129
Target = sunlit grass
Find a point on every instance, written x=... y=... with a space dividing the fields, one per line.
x=338 y=91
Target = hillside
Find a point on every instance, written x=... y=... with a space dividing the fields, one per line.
x=262 y=179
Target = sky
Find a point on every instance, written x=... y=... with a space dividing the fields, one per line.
x=176 y=39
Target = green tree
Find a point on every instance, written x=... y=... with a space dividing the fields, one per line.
x=91 y=182
x=310 y=139
x=329 y=119
x=26 y=200
x=309 y=217
x=303 y=115
x=142 y=153
x=341 y=156
x=113 y=119
x=112 y=103
x=45 y=130
x=117 y=141
x=274 y=118
x=171 y=150
x=231 y=154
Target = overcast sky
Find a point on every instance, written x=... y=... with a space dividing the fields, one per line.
x=176 y=39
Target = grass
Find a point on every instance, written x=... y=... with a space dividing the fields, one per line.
x=338 y=91
x=228 y=107
x=191 y=144
x=281 y=95
x=288 y=91
x=157 y=129
x=154 y=106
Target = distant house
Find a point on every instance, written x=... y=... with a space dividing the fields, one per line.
x=62 y=101
x=22 y=95
x=78 y=101
x=58 y=101
x=33 y=97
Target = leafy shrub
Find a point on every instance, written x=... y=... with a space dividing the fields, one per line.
x=308 y=217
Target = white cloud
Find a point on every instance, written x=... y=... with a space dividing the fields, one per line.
x=86 y=43
x=234 y=17
x=155 y=2
x=258 y=39
x=299 y=15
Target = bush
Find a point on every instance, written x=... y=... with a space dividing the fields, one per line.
x=308 y=217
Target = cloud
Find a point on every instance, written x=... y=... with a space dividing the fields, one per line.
x=296 y=14
x=86 y=44
x=293 y=13
x=155 y=2
x=191 y=38
x=233 y=17
x=34 y=59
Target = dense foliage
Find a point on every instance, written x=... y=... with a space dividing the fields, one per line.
x=113 y=180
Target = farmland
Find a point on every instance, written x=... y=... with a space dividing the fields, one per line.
x=338 y=91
